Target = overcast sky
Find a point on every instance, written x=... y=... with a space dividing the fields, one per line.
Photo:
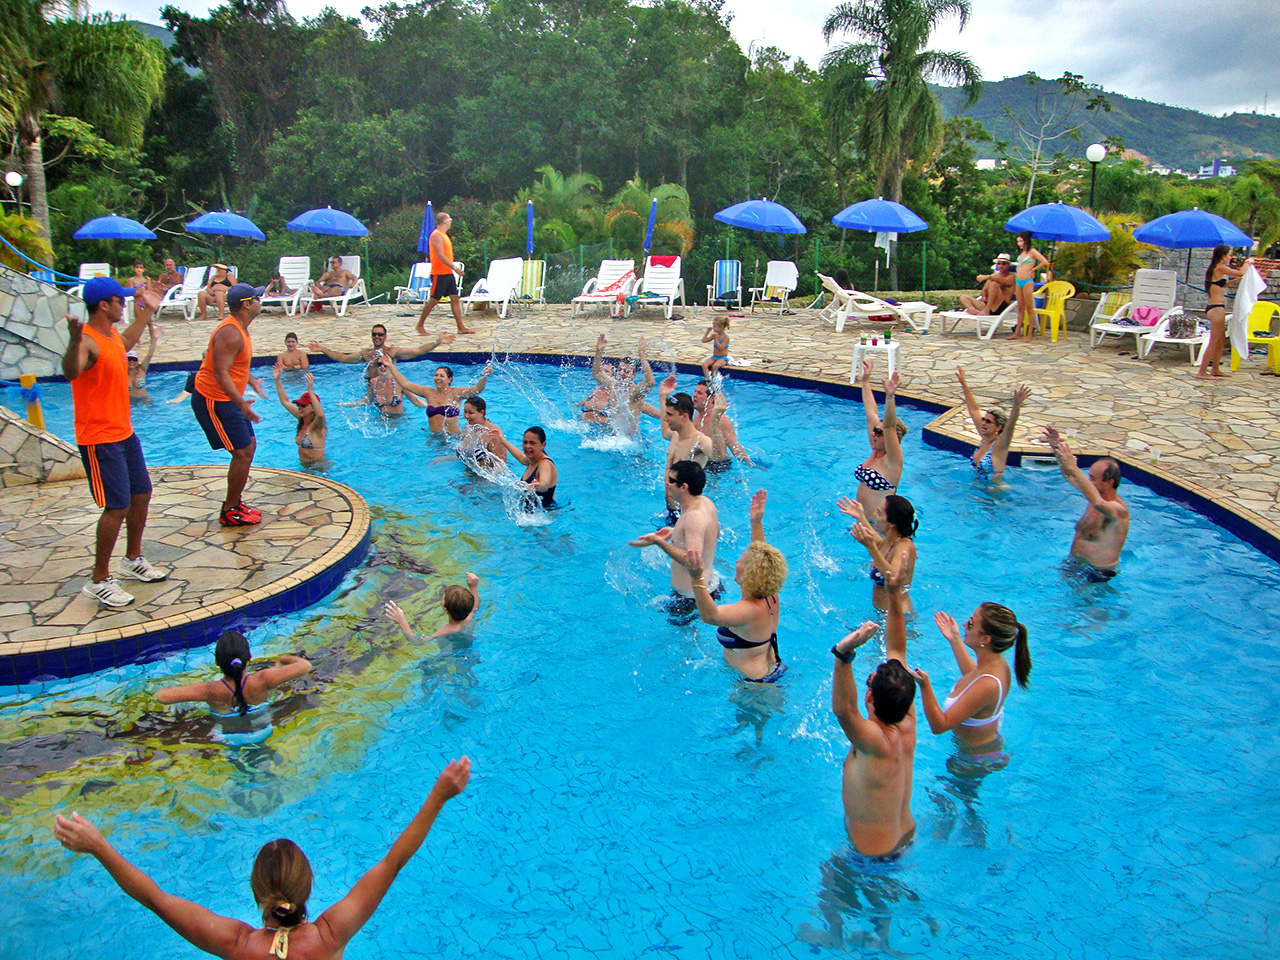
x=1217 y=58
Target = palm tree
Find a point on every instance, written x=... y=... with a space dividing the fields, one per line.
x=902 y=120
x=100 y=70
x=628 y=217
x=573 y=200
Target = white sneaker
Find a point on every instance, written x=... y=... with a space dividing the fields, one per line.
x=140 y=568
x=108 y=593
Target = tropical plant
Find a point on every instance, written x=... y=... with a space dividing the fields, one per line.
x=1107 y=264
x=100 y=70
x=25 y=234
x=901 y=121
x=573 y=200
x=627 y=218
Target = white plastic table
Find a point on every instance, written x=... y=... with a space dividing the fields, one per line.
x=868 y=352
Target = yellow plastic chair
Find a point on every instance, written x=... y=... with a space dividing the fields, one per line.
x=1262 y=328
x=1054 y=312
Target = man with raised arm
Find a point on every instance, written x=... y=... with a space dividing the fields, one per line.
x=380 y=347
x=878 y=770
x=698 y=528
x=99 y=373
x=628 y=396
x=1102 y=530
x=686 y=442
x=713 y=420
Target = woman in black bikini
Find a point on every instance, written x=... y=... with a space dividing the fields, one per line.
x=879 y=474
x=1216 y=278
x=747 y=630
x=541 y=476
x=215 y=291
x=442 y=398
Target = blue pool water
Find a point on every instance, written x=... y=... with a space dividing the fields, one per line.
x=628 y=796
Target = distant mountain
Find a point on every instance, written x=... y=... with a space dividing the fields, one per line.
x=1173 y=136
x=151 y=30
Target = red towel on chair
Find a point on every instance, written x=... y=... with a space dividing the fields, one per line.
x=663 y=261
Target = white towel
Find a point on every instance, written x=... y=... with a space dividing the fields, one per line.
x=1251 y=287
x=740 y=362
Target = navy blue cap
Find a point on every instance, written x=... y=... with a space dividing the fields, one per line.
x=102 y=288
x=241 y=292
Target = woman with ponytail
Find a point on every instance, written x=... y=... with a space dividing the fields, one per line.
x=281 y=883
x=976 y=704
x=238 y=692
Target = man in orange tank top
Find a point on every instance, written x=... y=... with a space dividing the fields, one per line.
x=99 y=373
x=443 y=282
x=219 y=403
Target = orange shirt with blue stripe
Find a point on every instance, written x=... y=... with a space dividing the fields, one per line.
x=441 y=265
x=207 y=382
x=101 y=393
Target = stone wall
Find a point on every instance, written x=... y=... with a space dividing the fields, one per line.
x=33 y=331
x=28 y=455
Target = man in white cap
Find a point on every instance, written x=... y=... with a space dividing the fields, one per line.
x=219 y=402
x=997 y=289
x=99 y=373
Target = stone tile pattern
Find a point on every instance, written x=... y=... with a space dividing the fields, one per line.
x=33 y=330
x=28 y=455
x=309 y=524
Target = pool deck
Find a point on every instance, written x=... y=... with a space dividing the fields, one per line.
x=1216 y=441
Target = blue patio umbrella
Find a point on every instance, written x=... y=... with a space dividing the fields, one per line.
x=761 y=215
x=326 y=220
x=113 y=228
x=648 y=232
x=428 y=225
x=1059 y=221
x=224 y=223
x=528 y=229
x=1192 y=228
x=879 y=216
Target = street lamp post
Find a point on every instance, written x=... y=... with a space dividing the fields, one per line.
x=14 y=180
x=1094 y=154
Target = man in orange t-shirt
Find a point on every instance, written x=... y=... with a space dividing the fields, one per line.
x=99 y=373
x=443 y=282
x=218 y=399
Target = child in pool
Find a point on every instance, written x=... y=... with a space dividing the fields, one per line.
x=459 y=603
x=718 y=335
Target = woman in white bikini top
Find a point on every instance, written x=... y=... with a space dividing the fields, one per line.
x=976 y=704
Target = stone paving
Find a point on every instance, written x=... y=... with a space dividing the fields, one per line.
x=1218 y=438
x=309 y=525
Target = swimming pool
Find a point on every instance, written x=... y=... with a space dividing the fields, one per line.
x=628 y=796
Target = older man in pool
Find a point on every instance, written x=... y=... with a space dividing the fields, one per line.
x=699 y=528
x=1102 y=530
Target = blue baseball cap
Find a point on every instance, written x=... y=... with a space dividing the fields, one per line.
x=241 y=292
x=102 y=288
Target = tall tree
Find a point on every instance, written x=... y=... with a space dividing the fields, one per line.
x=902 y=120
x=100 y=70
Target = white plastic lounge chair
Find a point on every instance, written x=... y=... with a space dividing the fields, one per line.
x=419 y=287
x=87 y=272
x=184 y=296
x=725 y=288
x=1152 y=288
x=296 y=273
x=864 y=308
x=1160 y=334
x=498 y=287
x=984 y=326
x=610 y=287
x=780 y=281
x=358 y=290
x=659 y=287
x=533 y=283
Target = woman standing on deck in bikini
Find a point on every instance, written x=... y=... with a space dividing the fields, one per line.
x=1216 y=278
x=879 y=474
x=1029 y=260
x=995 y=430
x=442 y=398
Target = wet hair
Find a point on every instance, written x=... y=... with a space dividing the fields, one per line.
x=682 y=402
x=1002 y=626
x=689 y=473
x=281 y=883
x=901 y=515
x=998 y=416
x=1111 y=471
x=232 y=656
x=291 y=334
x=376 y=327
x=841 y=277
x=539 y=433
x=893 y=689
x=1027 y=241
x=1220 y=253
x=458 y=602
x=711 y=387
x=448 y=372
x=477 y=403
x=764 y=570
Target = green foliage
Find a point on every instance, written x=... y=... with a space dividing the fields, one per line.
x=25 y=234
x=1107 y=264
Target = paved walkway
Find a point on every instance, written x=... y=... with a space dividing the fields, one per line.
x=1219 y=438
